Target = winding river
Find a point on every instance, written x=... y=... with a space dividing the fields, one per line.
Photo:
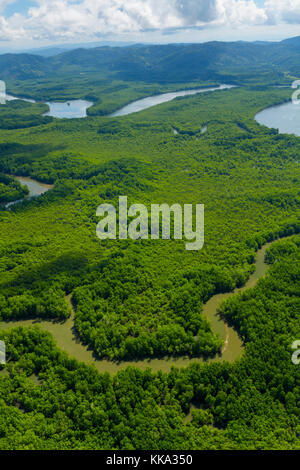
x=66 y=339
x=78 y=108
x=35 y=189
x=65 y=334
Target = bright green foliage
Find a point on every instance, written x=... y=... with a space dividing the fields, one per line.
x=20 y=114
x=49 y=401
x=144 y=299
x=11 y=189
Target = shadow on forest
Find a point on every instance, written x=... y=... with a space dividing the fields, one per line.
x=16 y=156
x=64 y=271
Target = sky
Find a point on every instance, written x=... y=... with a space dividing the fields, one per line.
x=37 y=23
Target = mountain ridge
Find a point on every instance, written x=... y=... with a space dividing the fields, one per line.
x=162 y=63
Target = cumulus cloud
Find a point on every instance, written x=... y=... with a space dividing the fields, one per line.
x=68 y=19
x=283 y=11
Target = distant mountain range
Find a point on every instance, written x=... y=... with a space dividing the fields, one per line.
x=163 y=63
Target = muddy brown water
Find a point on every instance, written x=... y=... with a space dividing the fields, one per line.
x=66 y=339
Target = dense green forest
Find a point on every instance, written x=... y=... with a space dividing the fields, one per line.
x=20 y=114
x=49 y=401
x=143 y=299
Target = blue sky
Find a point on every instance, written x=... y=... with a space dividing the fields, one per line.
x=19 y=6
x=34 y=23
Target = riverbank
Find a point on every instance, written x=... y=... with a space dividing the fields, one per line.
x=67 y=340
x=35 y=189
x=150 y=101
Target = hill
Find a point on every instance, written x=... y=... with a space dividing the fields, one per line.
x=165 y=63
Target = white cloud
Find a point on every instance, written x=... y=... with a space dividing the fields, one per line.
x=4 y=3
x=82 y=19
x=283 y=11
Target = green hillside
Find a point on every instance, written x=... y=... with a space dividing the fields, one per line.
x=164 y=63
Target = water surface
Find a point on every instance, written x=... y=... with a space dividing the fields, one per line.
x=151 y=101
x=78 y=108
x=35 y=189
x=284 y=117
x=67 y=340
x=13 y=98
x=68 y=110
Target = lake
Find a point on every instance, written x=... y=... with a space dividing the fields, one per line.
x=13 y=98
x=284 y=117
x=69 y=110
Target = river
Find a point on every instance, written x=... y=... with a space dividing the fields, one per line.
x=65 y=334
x=284 y=117
x=78 y=108
x=68 y=110
x=35 y=189
x=150 y=101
